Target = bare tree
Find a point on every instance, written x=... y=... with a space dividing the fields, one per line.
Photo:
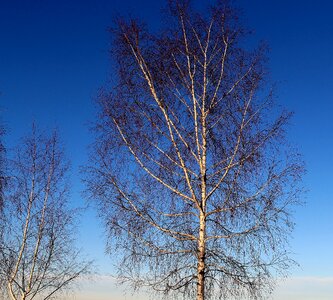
x=2 y=184
x=2 y=165
x=190 y=169
x=38 y=259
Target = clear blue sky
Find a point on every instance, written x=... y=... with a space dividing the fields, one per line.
x=54 y=57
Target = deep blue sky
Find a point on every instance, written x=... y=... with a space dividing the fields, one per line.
x=54 y=58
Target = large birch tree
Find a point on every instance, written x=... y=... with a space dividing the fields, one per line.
x=191 y=171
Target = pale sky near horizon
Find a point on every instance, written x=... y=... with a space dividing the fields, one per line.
x=294 y=288
x=54 y=58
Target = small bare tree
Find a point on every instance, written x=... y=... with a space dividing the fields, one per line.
x=2 y=166
x=38 y=258
x=2 y=184
x=193 y=178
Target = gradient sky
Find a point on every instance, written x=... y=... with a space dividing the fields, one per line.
x=54 y=58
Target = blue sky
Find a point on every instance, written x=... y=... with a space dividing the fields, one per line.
x=54 y=58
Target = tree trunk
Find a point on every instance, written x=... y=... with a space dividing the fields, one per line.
x=202 y=226
x=201 y=258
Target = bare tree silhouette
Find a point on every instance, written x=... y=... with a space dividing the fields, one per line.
x=38 y=259
x=190 y=168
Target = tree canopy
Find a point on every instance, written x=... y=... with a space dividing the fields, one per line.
x=191 y=170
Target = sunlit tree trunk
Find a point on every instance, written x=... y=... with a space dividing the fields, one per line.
x=201 y=259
